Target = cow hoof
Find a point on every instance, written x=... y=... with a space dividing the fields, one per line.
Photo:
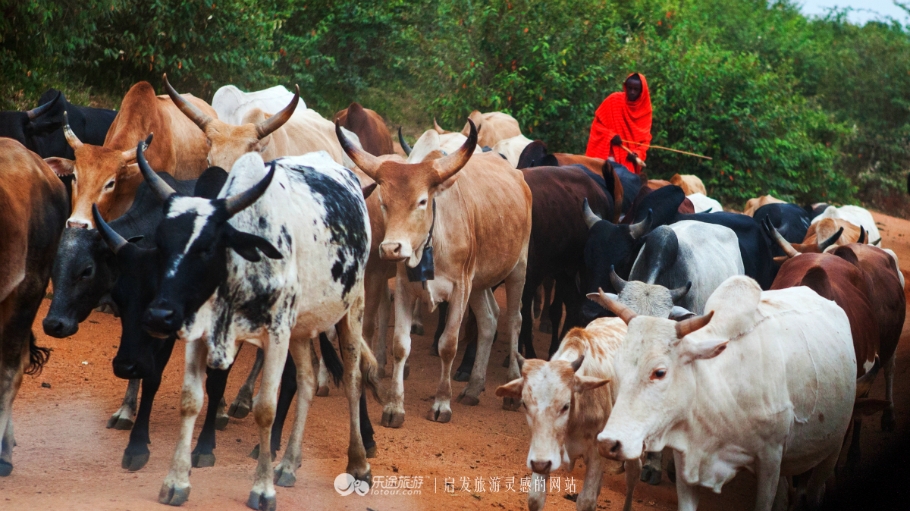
x=173 y=496
x=239 y=410
x=261 y=502
x=371 y=451
x=888 y=422
x=650 y=475
x=546 y=327
x=6 y=468
x=461 y=375
x=134 y=462
x=417 y=330
x=442 y=416
x=203 y=460
x=284 y=477
x=468 y=400
x=221 y=422
x=117 y=422
x=511 y=404
x=392 y=419
x=407 y=370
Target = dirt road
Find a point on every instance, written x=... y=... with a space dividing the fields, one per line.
x=66 y=459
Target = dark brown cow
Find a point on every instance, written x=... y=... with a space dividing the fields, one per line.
x=369 y=126
x=31 y=219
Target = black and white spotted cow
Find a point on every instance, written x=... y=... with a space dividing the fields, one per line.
x=218 y=291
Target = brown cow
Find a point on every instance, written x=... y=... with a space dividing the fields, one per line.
x=689 y=183
x=369 y=126
x=475 y=213
x=31 y=219
x=108 y=175
x=753 y=204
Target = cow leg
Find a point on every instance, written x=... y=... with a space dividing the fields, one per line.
x=559 y=299
x=546 y=324
x=481 y=302
x=366 y=428
x=440 y=327
x=350 y=343
x=10 y=380
x=122 y=419
x=594 y=470
x=176 y=487
x=286 y=393
x=633 y=470
x=215 y=383
x=262 y=495
x=136 y=454
x=441 y=411
x=768 y=476
x=815 y=491
x=303 y=380
x=376 y=317
x=526 y=333
x=322 y=379
x=853 y=454
x=651 y=471
x=463 y=373
x=514 y=286
x=573 y=301
x=686 y=495
x=417 y=324
x=537 y=493
x=240 y=408
x=888 y=422
x=393 y=410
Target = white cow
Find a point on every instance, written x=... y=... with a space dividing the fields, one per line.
x=703 y=203
x=511 y=148
x=232 y=104
x=567 y=403
x=768 y=384
x=856 y=216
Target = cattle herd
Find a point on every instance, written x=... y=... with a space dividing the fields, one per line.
x=729 y=340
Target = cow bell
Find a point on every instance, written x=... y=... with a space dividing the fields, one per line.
x=425 y=269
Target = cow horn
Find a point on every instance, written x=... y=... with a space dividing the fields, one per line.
x=641 y=228
x=576 y=364
x=862 y=235
x=437 y=128
x=237 y=203
x=40 y=110
x=404 y=145
x=197 y=116
x=368 y=163
x=622 y=312
x=264 y=128
x=781 y=242
x=161 y=189
x=618 y=283
x=114 y=240
x=830 y=241
x=591 y=217
x=678 y=293
x=71 y=137
x=130 y=154
x=448 y=166
x=687 y=326
x=876 y=242
x=864 y=382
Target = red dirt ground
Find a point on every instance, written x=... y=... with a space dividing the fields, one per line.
x=66 y=459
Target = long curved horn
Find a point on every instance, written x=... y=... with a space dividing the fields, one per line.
x=404 y=145
x=71 y=137
x=448 y=166
x=368 y=163
x=781 y=242
x=862 y=235
x=130 y=154
x=202 y=120
x=237 y=203
x=641 y=228
x=687 y=326
x=830 y=241
x=622 y=312
x=591 y=217
x=264 y=128
x=678 y=293
x=110 y=236
x=618 y=283
x=161 y=189
x=40 y=110
x=437 y=128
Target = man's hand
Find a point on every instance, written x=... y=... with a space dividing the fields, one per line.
x=615 y=141
x=634 y=159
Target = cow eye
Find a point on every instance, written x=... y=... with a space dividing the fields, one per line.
x=109 y=185
x=87 y=273
x=422 y=203
x=658 y=374
x=565 y=408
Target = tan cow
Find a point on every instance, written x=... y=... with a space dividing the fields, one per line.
x=108 y=175
x=753 y=204
x=491 y=127
x=567 y=403
x=511 y=148
x=475 y=213
x=689 y=183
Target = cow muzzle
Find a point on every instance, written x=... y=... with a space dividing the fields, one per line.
x=395 y=251
x=59 y=327
x=77 y=223
x=613 y=447
x=161 y=321
x=541 y=467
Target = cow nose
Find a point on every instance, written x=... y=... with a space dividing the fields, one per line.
x=541 y=467
x=74 y=223
x=610 y=448
x=159 y=322
x=390 y=250
x=59 y=328
x=126 y=370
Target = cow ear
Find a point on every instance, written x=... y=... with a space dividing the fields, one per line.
x=691 y=350
x=511 y=389
x=583 y=383
x=443 y=186
x=248 y=246
x=680 y=313
x=61 y=166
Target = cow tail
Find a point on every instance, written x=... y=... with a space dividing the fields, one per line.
x=330 y=357
x=369 y=371
x=37 y=356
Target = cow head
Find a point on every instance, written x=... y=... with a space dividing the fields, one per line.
x=192 y=240
x=227 y=142
x=792 y=250
x=656 y=383
x=23 y=126
x=406 y=194
x=103 y=176
x=645 y=299
x=547 y=391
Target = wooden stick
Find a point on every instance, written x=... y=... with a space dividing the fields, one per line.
x=669 y=149
x=637 y=159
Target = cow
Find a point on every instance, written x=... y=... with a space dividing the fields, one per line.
x=753 y=204
x=690 y=184
x=491 y=128
x=855 y=215
x=704 y=204
x=107 y=175
x=232 y=104
x=31 y=220
x=691 y=386
x=217 y=291
x=448 y=205
x=567 y=403
x=825 y=228
x=368 y=125
x=511 y=148
x=790 y=220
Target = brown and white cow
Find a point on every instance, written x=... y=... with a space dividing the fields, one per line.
x=370 y=128
x=567 y=403
x=475 y=213
x=31 y=219
x=108 y=175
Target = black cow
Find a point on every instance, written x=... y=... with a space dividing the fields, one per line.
x=790 y=220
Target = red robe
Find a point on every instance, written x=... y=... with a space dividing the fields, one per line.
x=631 y=120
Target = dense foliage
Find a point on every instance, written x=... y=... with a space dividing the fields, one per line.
x=802 y=108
